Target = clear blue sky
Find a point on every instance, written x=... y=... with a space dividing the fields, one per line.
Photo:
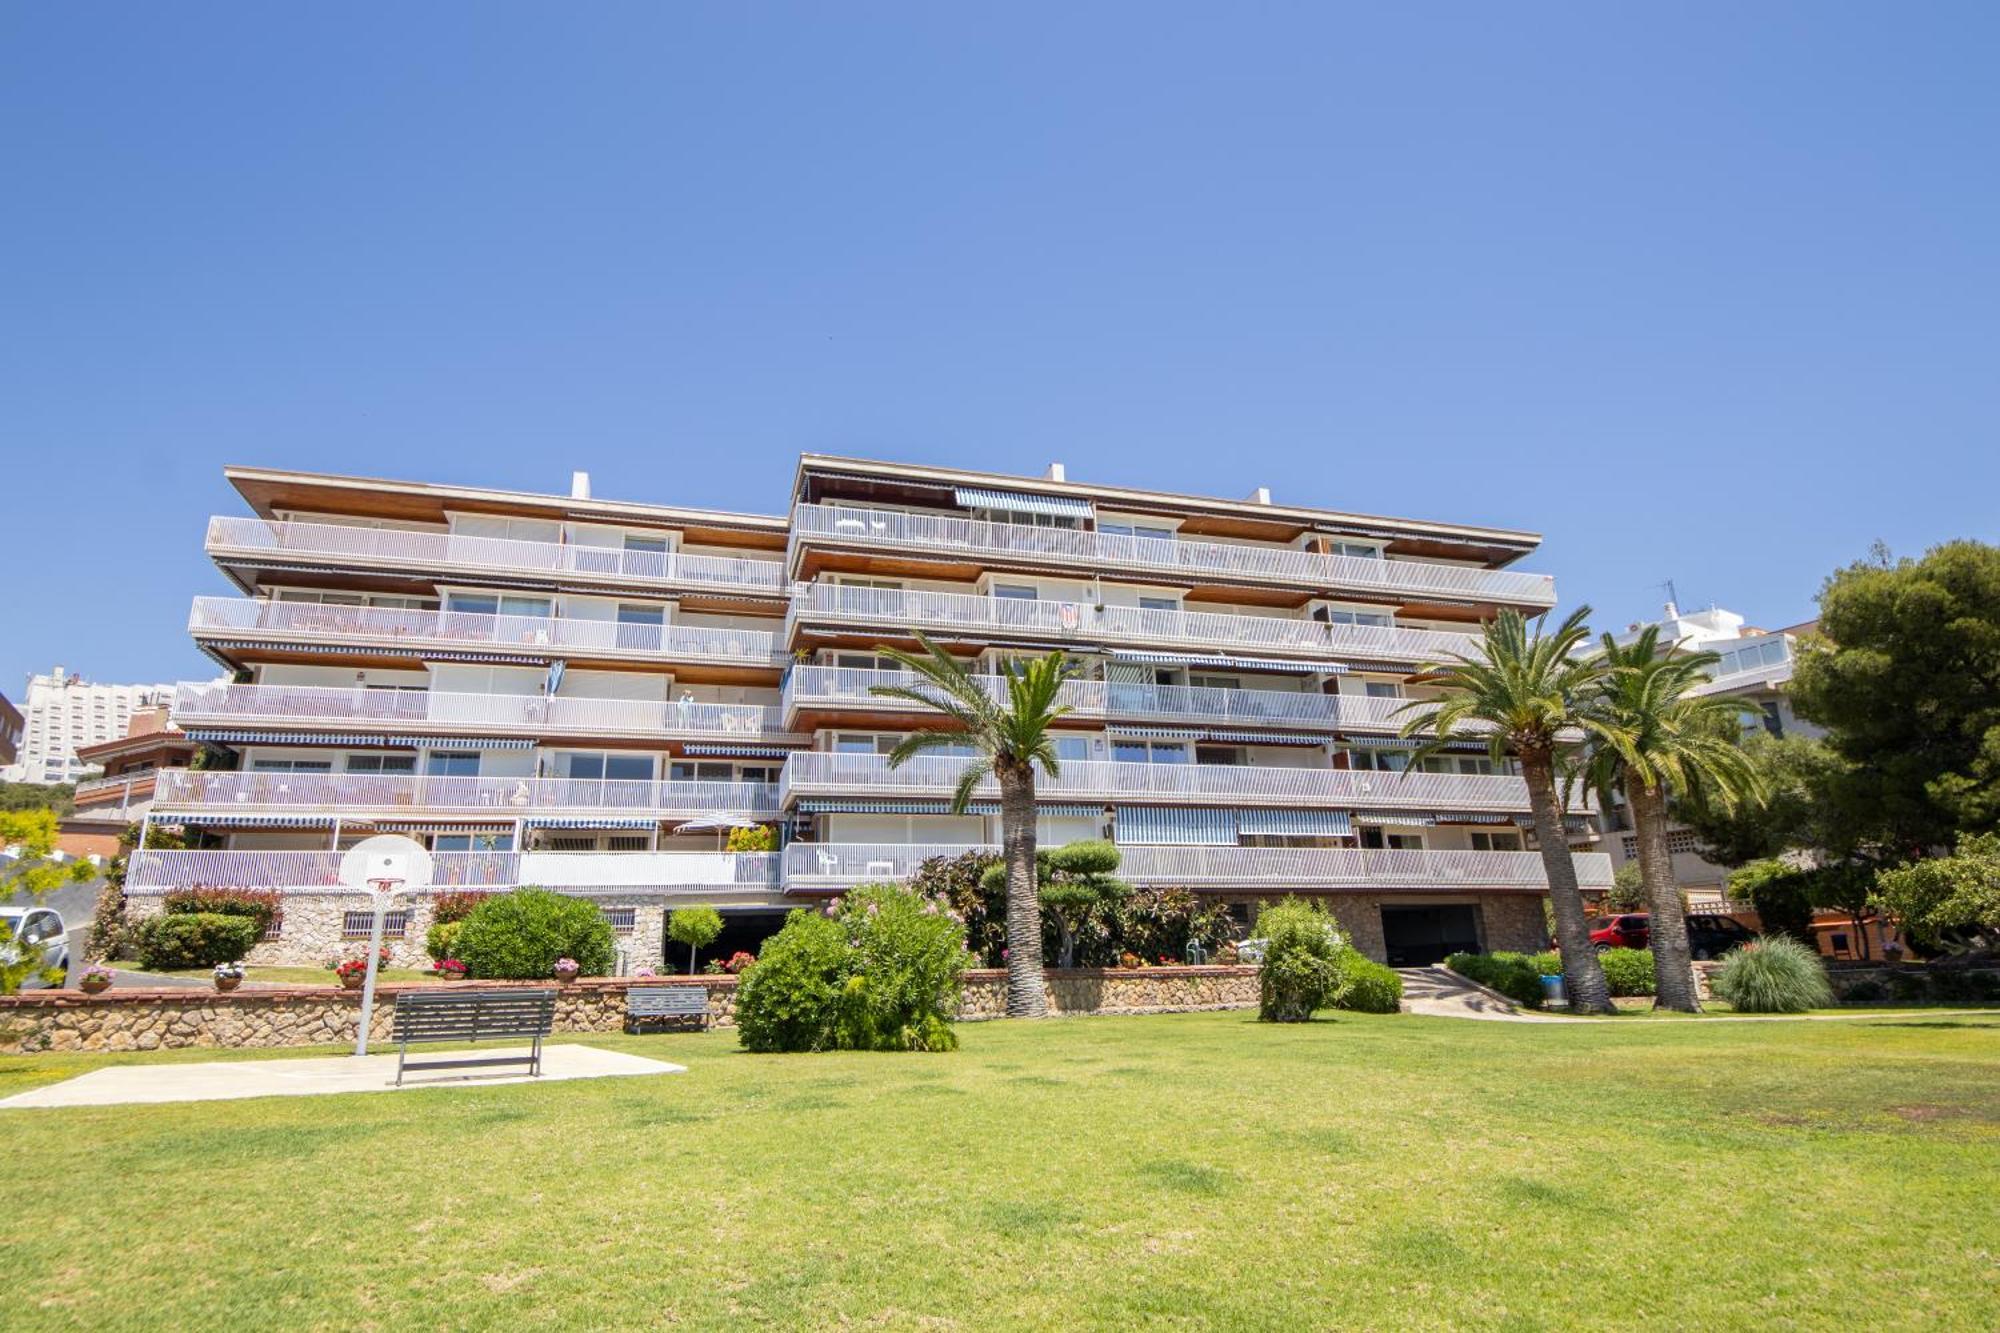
x=1702 y=292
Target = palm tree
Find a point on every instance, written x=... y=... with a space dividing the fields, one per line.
x=1008 y=738
x=1527 y=690
x=1654 y=738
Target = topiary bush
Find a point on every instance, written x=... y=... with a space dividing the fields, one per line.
x=1301 y=971
x=1514 y=975
x=1774 y=975
x=195 y=939
x=884 y=974
x=1628 y=971
x=519 y=935
x=1372 y=988
x=441 y=940
x=695 y=927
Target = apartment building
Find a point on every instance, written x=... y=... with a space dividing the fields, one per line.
x=63 y=713
x=13 y=730
x=130 y=767
x=588 y=695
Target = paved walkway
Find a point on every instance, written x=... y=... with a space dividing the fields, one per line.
x=1441 y=993
x=229 y=1080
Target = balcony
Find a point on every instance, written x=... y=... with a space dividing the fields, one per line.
x=813 y=773
x=278 y=624
x=1084 y=626
x=825 y=867
x=586 y=872
x=429 y=554
x=429 y=712
x=365 y=795
x=1178 y=561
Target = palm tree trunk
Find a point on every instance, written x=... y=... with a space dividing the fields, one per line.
x=1583 y=978
x=1673 y=966
x=1027 y=989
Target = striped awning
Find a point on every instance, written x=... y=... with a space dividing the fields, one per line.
x=1179 y=826
x=438 y=826
x=291 y=738
x=1158 y=733
x=1474 y=819
x=469 y=742
x=1267 y=737
x=1075 y=809
x=1235 y=663
x=273 y=821
x=728 y=819
x=1386 y=743
x=1412 y=821
x=589 y=821
x=511 y=659
x=1296 y=823
x=741 y=751
x=1058 y=506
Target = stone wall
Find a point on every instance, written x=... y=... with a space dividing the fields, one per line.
x=147 y=1020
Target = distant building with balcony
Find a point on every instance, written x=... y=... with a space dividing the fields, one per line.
x=589 y=695
x=131 y=766
x=1755 y=667
x=62 y=713
x=13 y=730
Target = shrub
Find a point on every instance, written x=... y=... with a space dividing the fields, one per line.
x=1371 y=987
x=1514 y=975
x=441 y=940
x=761 y=838
x=695 y=927
x=1774 y=975
x=520 y=935
x=260 y=905
x=1864 y=992
x=884 y=975
x=1301 y=971
x=195 y=939
x=449 y=908
x=1628 y=971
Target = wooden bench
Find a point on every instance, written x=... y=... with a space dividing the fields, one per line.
x=644 y=1002
x=472 y=1015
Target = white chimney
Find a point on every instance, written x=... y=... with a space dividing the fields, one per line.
x=1056 y=472
x=1261 y=496
x=579 y=485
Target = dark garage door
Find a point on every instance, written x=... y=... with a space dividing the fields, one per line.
x=1420 y=936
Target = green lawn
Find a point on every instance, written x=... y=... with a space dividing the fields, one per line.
x=1192 y=1170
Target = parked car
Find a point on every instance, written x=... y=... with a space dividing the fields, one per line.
x=1627 y=930
x=1708 y=936
x=41 y=926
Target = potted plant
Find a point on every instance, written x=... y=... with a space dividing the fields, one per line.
x=449 y=969
x=566 y=970
x=95 y=980
x=228 y=976
x=352 y=972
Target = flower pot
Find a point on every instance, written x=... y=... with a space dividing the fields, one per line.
x=226 y=984
x=353 y=980
x=565 y=975
x=95 y=985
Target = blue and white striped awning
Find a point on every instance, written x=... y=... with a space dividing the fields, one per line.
x=1474 y=819
x=1058 y=506
x=510 y=659
x=438 y=826
x=469 y=743
x=1232 y=663
x=1295 y=823
x=741 y=751
x=831 y=806
x=1178 y=826
x=1267 y=737
x=589 y=821
x=1158 y=733
x=727 y=819
x=270 y=821
x=1396 y=817
x=289 y=738
x=1386 y=743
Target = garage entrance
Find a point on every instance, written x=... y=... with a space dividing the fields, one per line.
x=1420 y=936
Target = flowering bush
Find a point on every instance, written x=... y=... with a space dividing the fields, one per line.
x=738 y=961
x=457 y=905
x=98 y=972
x=224 y=971
x=350 y=970
x=450 y=969
x=260 y=905
x=566 y=965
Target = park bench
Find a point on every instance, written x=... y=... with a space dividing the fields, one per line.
x=472 y=1015
x=644 y=1002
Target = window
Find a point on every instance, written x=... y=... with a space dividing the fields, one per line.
x=1159 y=603
x=1206 y=682
x=491 y=841
x=1119 y=528
x=487 y=604
x=1340 y=615
x=1149 y=752
x=612 y=767
x=1072 y=748
x=359 y=925
x=1231 y=755
x=862 y=742
x=1359 y=550
x=648 y=545
x=689 y=771
x=1383 y=689
x=291 y=766
x=627 y=842
x=1016 y=592
x=865 y=662
x=1381 y=761
x=1496 y=842
x=624 y=920
x=633 y=614
x=1019 y=519
x=381 y=763
x=1379 y=840
x=452 y=764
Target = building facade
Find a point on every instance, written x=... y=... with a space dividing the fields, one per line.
x=131 y=766
x=13 y=730
x=591 y=695
x=63 y=713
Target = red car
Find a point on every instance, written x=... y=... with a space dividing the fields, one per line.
x=1627 y=930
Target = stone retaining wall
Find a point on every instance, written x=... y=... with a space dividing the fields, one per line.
x=147 y=1020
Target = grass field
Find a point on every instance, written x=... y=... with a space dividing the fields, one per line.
x=1193 y=1170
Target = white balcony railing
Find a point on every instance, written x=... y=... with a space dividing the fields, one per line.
x=430 y=553
x=1215 y=562
x=363 y=794
x=820 y=773
x=633 y=872
x=1087 y=624
x=205 y=704
x=843 y=688
x=313 y=622
x=821 y=866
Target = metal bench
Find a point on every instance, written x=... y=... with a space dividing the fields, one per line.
x=644 y=1002
x=472 y=1015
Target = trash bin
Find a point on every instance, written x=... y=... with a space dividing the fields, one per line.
x=1552 y=991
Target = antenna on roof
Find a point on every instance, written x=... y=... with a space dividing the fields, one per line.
x=1673 y=599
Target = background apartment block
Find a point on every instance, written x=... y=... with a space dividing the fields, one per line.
x=62 y=714
x=589 y=695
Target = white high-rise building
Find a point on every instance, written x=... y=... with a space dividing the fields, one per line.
x=64 y=712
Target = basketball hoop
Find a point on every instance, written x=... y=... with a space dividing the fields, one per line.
x=381 y=867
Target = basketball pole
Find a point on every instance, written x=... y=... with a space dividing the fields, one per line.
x=384 y=890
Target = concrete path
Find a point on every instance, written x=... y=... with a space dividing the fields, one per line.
x=229 y=1080
x=1442 y=993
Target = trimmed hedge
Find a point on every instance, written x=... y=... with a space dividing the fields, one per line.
x=195 y=939
x=1372 y=988
x=1629 y=971
x=1514 y=975
x=518 y=936
x=260 y=905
